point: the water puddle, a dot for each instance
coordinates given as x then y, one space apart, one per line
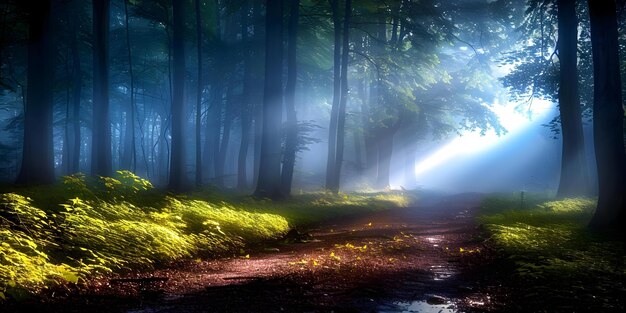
421 306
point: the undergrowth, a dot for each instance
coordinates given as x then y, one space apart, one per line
556 259
85 227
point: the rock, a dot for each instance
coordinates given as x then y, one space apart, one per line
294 236
435 300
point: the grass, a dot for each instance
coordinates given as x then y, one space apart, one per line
555 259
85 227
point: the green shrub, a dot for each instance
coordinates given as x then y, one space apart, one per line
551 248
91 226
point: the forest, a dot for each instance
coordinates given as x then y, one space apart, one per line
312 155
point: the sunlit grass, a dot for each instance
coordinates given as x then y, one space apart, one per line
550 248
86 227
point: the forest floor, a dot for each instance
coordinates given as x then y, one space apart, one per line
425 258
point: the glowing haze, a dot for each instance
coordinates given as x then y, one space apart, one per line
470 144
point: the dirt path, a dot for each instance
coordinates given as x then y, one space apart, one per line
418 259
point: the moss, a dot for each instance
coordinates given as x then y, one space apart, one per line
86 226
550 247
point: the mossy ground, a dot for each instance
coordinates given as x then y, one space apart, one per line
558 264
85 227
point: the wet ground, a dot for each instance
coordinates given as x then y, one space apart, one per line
427 258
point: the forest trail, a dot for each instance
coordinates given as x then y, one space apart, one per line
425 258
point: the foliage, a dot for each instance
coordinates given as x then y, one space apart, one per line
115 224
550 248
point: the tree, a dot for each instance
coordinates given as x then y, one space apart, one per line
331 163
608 117
343 99
37 157
177 162
574 176
291 141
101 159
268 183
200 88
129 159
77 86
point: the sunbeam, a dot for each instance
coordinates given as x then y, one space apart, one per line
472 142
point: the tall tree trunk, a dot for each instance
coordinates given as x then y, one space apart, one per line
608 117
128 160
177 162
341 116
222 148
291 128
200 88
101 160
385 150
245 118
37 156
77 86
65 158
268 184
574 176
257 106
334 111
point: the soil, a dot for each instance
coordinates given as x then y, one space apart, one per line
426 258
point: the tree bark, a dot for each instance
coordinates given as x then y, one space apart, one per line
246 119
222 148
341 116
385 150
37 157
177 162
200 87
608 117
77 86
101 159
334 112
257 106
129 160
290 100
268 184
574 176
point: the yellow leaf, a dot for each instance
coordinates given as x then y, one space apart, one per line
369 224
2 296
247 256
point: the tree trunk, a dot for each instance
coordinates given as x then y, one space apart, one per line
77 86
200 88
37 157
101 160
130 152
257 106
268 184
245 118
290 100
385 150
334 112
608 117
177 162
574 176
341 116
222 148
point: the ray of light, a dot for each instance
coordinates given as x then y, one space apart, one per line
471 142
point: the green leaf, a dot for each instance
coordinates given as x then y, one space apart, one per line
69 276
